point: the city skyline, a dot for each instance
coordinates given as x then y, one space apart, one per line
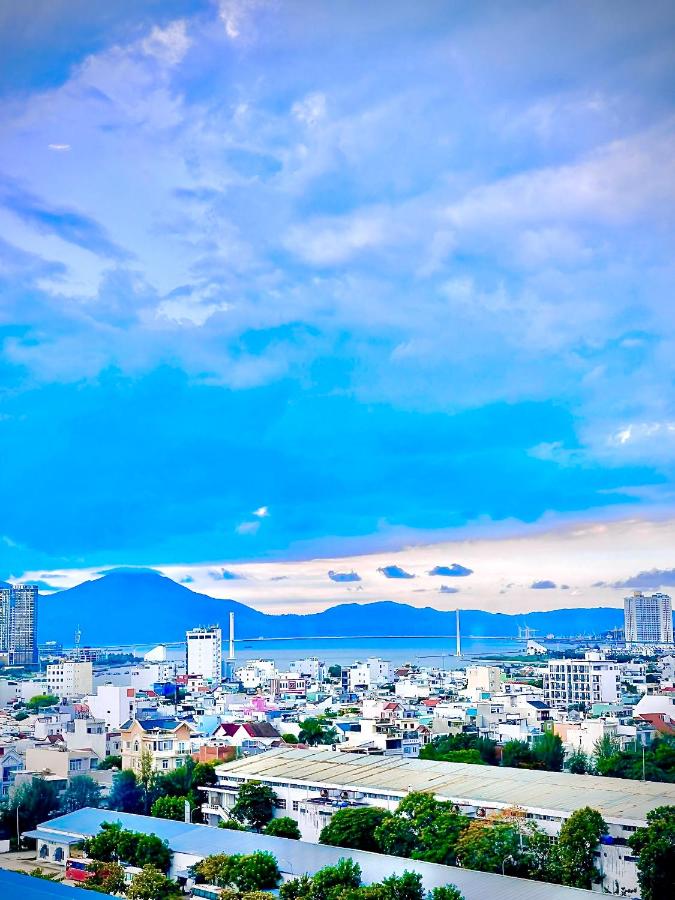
290 282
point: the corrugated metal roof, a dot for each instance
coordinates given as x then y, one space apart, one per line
297 857
616 798
13 885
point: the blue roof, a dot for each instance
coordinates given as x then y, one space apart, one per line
296 857
13 884
87 822
43 834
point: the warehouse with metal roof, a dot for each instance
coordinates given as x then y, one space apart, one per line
192 843
553 793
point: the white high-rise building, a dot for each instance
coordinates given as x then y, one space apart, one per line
648 618
205 652
585 681
70 679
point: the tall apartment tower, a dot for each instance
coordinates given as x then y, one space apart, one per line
648 618
18 624
205 652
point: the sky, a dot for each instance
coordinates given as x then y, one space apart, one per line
291 288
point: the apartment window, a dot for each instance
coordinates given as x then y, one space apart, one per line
165 763
279 803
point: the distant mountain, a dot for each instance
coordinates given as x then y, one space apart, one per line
144 607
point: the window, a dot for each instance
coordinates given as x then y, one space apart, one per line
296 805
279 803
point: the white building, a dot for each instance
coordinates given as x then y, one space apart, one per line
581 681
483 680
256 673
311 666
648 618
70 679
86 734
205 652
113 704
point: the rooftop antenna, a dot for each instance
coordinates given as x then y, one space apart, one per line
459 637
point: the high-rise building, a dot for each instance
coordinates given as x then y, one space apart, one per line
205 652
18 624
648 618
581 681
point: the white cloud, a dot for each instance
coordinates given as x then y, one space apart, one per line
59 148
248 528
262 512
170 44
505 563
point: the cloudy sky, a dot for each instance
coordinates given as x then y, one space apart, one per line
291 288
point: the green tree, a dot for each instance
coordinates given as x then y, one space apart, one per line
81 791
151 884
574 852
354 828
578 762
169 808
125 795
331 881
147 780
449 892
518 755
549 753
116 843
491 847
289 739
284 826
335 671
407 886
245 872
256 871
35 801
422 828
654 846
254 805
446 747
232 825
606 752
41 701
315 731
111 762
106 878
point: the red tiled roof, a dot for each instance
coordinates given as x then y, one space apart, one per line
661 722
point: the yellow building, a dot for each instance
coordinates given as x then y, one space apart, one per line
166 740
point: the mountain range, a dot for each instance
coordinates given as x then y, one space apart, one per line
146 607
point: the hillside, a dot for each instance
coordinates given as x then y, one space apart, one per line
146 607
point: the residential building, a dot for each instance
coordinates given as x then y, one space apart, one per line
18 624
205 652
85 733
312 784
113 703
11 761
311 667
581 681
251 737
483 680
648 618
60 761
70 679
288 685
166 740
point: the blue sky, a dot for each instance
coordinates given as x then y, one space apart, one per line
387 272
